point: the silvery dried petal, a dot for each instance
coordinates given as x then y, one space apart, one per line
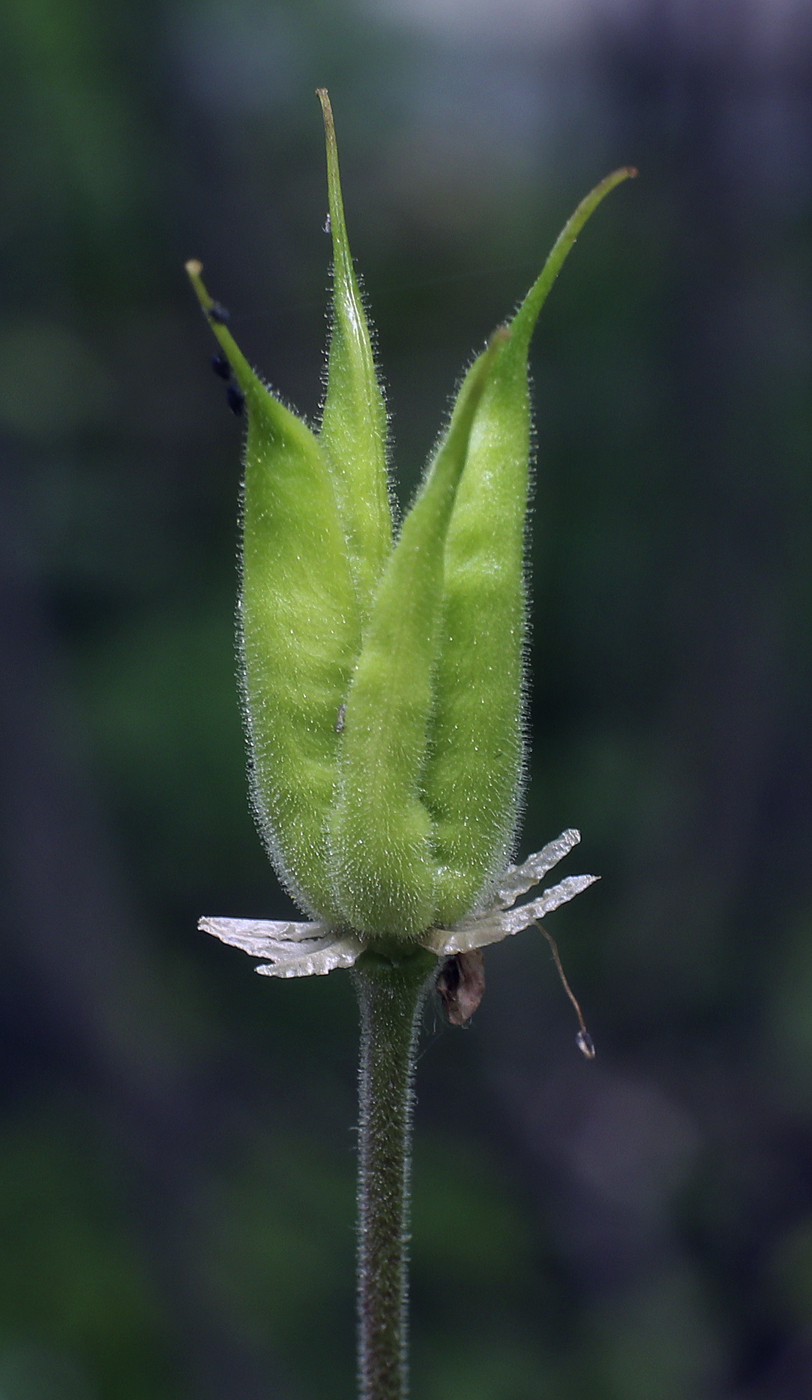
518 879
307 949
294 949
514 920
500 920
496 925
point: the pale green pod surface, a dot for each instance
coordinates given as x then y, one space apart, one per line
382 687
473 775
381 831
299 629
353 425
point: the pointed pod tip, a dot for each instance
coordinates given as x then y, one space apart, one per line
525 319
217 317
616 177
501 336
609 182
327 112
194 268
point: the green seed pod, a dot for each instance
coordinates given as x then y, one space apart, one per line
381 830
383 686
472 780
353 423
299 626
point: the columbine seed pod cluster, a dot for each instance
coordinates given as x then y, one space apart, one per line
382 676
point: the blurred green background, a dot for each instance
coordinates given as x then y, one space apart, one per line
176 1142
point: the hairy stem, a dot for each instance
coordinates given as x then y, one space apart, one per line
390 997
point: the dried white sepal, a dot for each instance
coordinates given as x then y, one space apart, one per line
293 949
500 920
341 952
518 879
514 920
495 925
308 949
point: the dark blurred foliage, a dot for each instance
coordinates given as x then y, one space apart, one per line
176 1149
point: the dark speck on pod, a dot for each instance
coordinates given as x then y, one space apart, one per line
221 367
236 399
341 718
218 313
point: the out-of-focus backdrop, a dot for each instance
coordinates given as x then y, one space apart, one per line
176 1144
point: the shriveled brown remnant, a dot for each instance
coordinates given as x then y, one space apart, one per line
461 985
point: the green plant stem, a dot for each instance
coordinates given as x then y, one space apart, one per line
390 997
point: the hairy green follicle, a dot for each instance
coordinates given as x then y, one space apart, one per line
300 628
472 782
381 829
383 682
353 422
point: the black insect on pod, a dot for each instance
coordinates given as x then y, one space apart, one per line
236 399
218 314
221 367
